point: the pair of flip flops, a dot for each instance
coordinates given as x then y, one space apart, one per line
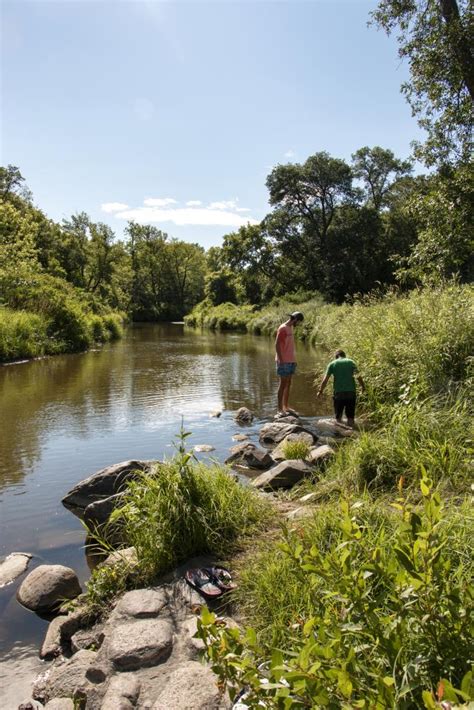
287 413
210 581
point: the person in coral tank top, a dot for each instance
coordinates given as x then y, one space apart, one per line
285 359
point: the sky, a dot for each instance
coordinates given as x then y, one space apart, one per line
174 113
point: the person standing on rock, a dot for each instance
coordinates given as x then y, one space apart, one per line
343 369
285 358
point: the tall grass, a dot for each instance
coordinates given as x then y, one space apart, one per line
22 334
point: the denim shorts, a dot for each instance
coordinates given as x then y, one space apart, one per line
285 369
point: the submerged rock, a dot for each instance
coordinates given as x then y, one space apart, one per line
244 416
13 566
203 448
47 586
284 475
105 483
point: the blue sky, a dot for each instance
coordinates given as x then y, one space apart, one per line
174 113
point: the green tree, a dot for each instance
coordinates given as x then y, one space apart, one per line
436 37
378 169
186 267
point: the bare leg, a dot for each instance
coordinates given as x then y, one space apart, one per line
283 393
286 394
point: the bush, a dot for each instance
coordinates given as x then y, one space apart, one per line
21 334
370 609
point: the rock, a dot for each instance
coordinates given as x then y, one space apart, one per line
244 416
203 448
190 628
98 512
328 426
250 455
103 484
12 566
284 475
191 685
320 454
65 679
278 453
216 413
74 621
141 603
52 642
122 693
87 639
47 586
145 642
126 556
240 437
60 704
274 432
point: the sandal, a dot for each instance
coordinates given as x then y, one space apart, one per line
201 579
222 578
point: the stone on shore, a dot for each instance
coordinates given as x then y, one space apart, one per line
66 679
51 646
284 475
191 685
274 432
98 512
320 455
127 556
244 416
13 566
46 587
105 483
251 456
141 603
278 454
122 692
60 704
145 642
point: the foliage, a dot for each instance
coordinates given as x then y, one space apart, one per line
225 316
296 449
435 37
436 433
22 334
386 618
374 166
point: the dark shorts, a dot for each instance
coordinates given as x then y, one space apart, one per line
285 369
344 401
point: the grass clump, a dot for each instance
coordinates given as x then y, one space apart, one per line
358 608
179 510
296 449
436 433
22 334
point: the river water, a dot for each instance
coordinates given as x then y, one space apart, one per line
65 417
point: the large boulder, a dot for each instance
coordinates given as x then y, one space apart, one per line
103 484
284 475
46 587
320 455
66 678
138 644
141 603
191 685
98 512
274 432
12 566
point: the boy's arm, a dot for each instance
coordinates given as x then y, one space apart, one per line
322 385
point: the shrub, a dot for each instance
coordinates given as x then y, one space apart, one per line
22 334
386 619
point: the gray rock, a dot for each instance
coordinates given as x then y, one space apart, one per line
126 556
87 639
216 413
274 432
46 587
191 685
75 620
65 679
103 484
60 704
51 646
321 454
284 475
237 451
250 455
145 642
122 692
203 448
141 603
98 512
244 416
12 566
240 437
190 628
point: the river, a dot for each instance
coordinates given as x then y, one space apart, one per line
65 417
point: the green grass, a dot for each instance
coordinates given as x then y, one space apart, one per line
295 450
22 334
179 510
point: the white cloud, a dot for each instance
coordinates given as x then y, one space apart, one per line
193 203
242 209
290 154
186 216
113 207
223 205
159 201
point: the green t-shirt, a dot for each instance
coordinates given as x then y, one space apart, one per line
342 369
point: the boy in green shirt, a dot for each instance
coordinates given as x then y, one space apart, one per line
343 370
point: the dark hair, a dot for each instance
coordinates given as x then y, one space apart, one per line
340 353
297 316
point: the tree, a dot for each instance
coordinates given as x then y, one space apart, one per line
11 183
378 169
436 37
186 264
